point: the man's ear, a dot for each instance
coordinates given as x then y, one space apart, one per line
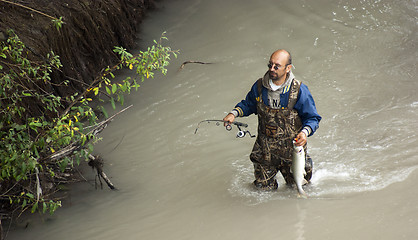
288 68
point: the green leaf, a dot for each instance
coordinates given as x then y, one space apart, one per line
26 94
32 164
45 207
96 91
91 148
36 124
34 207
64 164
30 195
114 88
81 110
112 101
104 112
122 99
108 90
77 159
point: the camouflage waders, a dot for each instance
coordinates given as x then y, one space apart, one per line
272 151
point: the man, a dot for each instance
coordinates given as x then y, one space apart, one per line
286 112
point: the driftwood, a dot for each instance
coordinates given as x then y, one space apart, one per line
186 62
97 163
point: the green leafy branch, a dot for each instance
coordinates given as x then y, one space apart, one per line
145 63
31 144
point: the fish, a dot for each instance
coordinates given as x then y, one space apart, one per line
298 168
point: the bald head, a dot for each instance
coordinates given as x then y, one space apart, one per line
279 66
281 54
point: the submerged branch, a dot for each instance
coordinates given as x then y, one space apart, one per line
186 62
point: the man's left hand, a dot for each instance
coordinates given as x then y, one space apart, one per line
301 139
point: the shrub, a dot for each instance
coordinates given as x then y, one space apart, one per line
54 139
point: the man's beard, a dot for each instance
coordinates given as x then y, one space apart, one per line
273 76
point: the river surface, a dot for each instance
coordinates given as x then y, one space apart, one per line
359 60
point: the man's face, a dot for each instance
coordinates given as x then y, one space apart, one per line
277 66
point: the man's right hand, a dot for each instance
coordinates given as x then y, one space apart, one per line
229 119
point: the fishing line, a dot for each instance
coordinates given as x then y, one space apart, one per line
241 133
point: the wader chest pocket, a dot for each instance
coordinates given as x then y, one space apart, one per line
273 131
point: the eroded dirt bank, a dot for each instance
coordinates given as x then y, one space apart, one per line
90 31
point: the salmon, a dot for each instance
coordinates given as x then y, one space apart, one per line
298 169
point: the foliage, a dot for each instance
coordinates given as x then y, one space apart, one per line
57 22
30 142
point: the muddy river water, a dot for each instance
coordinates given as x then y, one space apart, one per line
359 60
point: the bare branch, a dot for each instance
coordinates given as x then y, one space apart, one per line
31 9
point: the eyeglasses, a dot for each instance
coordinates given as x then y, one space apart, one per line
276 66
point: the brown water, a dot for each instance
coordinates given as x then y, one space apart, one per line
359 60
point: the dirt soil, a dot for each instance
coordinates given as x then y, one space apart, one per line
92 28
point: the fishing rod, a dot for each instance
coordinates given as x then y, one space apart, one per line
241 133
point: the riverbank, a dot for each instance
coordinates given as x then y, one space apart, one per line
84 43
86 40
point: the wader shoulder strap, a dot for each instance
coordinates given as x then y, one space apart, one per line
294 92
260 89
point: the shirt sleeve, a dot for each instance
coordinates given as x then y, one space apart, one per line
248 106
307 110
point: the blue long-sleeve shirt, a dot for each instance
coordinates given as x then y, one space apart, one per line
305 105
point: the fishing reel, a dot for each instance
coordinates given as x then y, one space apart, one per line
241 133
